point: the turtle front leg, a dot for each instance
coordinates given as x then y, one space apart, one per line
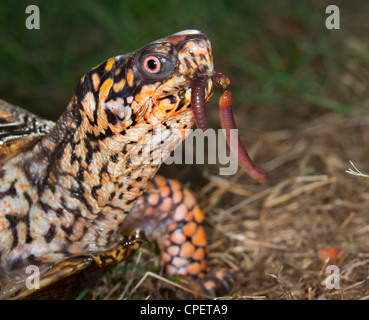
168 214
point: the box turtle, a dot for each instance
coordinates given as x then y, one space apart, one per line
80 195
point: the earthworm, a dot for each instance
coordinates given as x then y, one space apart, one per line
198 85
228 123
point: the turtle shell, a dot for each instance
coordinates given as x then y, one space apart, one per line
65 279
19 130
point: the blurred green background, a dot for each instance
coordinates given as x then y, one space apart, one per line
278 54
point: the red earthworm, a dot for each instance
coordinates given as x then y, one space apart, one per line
228 123
198 85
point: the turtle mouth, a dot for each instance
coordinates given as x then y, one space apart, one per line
198 105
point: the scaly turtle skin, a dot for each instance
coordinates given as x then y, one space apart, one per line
73 194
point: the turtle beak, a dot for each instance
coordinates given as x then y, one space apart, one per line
196 61
196 65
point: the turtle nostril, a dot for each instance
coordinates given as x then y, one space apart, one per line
202 44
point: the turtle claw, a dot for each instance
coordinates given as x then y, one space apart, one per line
217 283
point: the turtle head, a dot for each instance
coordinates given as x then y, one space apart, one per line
152 97
147 88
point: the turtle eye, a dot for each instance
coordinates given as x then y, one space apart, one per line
155 66
152 64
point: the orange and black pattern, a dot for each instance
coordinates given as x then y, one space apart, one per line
88 179
173 219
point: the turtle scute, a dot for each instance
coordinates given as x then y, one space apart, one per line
19 130
67 278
